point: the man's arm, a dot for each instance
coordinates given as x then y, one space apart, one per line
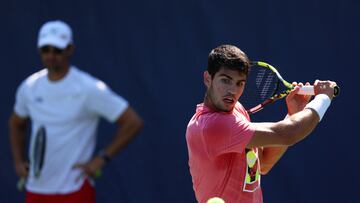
269 156
287 132
130 124
18 126
276 137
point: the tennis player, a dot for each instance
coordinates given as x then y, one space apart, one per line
227 152
66 103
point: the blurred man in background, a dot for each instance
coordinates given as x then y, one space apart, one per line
64 105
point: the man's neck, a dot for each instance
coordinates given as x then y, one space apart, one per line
208 103
57 74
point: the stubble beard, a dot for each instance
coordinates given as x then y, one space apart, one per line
211 100
54 68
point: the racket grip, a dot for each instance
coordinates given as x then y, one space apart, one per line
309 90
306 90
21 184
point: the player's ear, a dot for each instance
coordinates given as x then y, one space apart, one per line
70 49
207 79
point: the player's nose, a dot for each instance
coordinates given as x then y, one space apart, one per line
232 89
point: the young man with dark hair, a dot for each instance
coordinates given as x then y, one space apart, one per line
227 152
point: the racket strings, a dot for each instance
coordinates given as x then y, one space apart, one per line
267 86
259 77
39 151
261 85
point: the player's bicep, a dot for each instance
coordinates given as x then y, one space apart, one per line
16 121
129 117
271 134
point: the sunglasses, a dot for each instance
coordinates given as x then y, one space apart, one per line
48 49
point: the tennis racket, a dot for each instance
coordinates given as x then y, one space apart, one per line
39 152
37 156
265 85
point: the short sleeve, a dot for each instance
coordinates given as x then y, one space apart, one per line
227 134
104 102
20 107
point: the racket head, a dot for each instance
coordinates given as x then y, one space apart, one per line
39 151
264 85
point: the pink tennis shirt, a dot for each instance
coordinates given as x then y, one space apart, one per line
220 164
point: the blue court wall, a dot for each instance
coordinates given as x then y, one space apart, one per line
154 53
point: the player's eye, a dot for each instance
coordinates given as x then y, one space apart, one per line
241 84
226 81
48 49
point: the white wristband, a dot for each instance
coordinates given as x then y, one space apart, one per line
320 104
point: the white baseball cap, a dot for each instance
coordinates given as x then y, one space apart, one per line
55 33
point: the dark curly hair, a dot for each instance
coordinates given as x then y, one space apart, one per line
228 56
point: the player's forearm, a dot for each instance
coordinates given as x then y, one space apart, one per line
270 156
17 141
297 126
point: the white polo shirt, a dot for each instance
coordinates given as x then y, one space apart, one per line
69 110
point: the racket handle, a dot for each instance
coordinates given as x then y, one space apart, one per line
309 90
21 184
306 90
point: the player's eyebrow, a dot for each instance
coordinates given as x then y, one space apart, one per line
227 76
231 78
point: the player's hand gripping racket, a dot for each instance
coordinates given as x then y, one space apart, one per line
37 156
265 85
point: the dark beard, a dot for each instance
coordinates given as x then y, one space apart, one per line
209 98
55 69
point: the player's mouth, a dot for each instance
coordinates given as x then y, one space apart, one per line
229 100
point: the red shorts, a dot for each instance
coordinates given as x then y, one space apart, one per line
86 194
